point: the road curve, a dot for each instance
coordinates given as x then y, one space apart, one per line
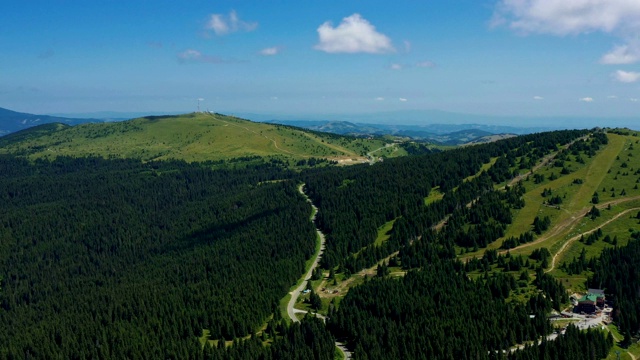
296 292
291 311
570 223
570 241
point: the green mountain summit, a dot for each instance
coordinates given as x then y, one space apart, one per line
190 137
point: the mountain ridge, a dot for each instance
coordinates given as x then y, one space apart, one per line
189 137
12 121
444 134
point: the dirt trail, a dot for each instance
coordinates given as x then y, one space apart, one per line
275 144
570 241
545 160
515 180
341 149
344 286
570 223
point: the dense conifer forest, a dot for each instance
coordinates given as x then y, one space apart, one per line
618 271
434 313
119 259
124 259
573 345
307 340
354 201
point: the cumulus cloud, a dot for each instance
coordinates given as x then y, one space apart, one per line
354 35
612 97
402 100
270 51
620 18
396 67
633 99
586 99
562 17
379 98
225 24
195 56
622 54
626 76
538 98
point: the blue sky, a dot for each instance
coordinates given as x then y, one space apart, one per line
493 57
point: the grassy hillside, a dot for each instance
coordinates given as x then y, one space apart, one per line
611 174
190 137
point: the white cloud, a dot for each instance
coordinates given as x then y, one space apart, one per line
564 17
633 99
586 99
379 98
626 76
620 18
538 98
612 97
622 54
270 51
427 64
222 25
354 35
402 100
274 98
396 67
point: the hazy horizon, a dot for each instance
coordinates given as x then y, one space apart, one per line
534 58
402 117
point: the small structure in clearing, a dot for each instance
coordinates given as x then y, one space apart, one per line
591 302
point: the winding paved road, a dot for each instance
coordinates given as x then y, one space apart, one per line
291 311
372 159
296 292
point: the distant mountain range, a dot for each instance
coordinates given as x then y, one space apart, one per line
444 134
12 121
425 118
427 125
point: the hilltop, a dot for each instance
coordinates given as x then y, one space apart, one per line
191 137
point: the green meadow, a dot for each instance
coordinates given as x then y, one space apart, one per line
191 137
